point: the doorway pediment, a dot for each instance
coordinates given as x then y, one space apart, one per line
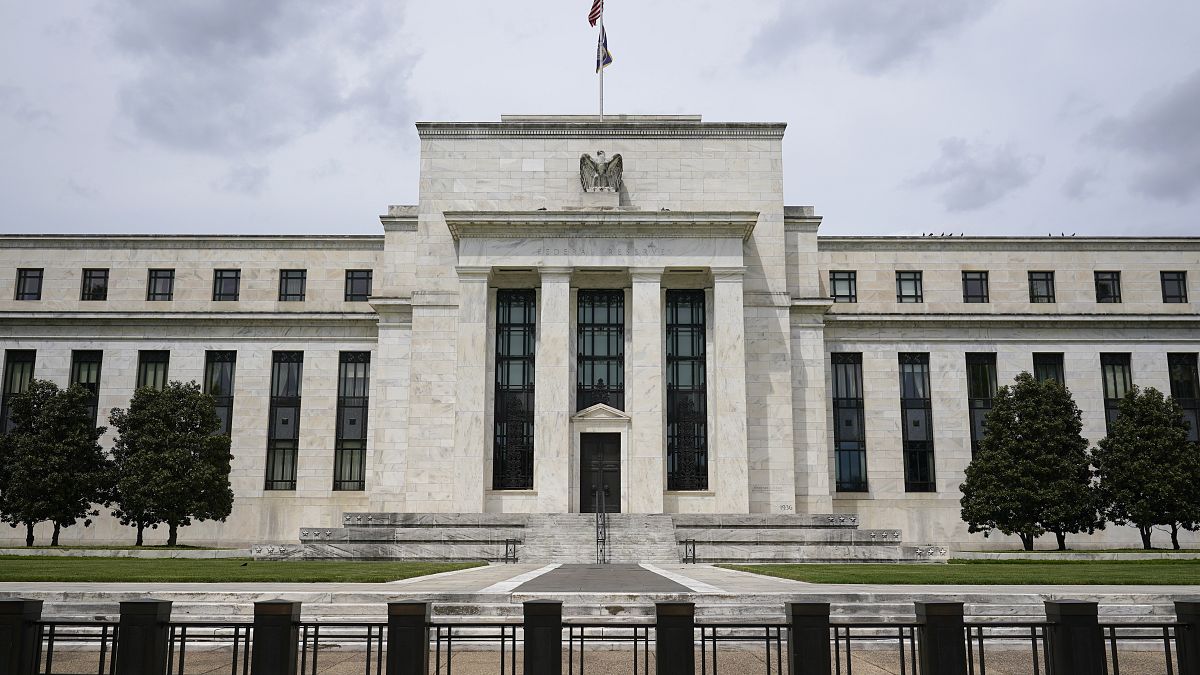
600 413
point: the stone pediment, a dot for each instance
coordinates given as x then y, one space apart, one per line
601 224
600 412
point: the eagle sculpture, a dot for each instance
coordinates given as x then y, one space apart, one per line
598 175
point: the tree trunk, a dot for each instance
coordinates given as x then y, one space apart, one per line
1062 540
29 534
1026 540
54 540
1175 536
140 526
174 535
1145 537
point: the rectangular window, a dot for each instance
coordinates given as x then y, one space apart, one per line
687 392
512 436
1108 286
1185 389
291 285
29 284
358 285
152 368
1049 366
916 416
849 422
975 286
843 286
226 285
1118 378
160 285
350 451
1174 286
908 287
94 286
981 388
283 432
18 373
85 370
600 347
219 368
1041 287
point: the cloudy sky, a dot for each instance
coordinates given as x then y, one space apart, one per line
904 116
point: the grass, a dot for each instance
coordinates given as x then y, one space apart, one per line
139 570
1097 550
120 547
1067 572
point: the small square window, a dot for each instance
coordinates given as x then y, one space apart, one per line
843 286
291 285
908 287
95 285
1041 287
226 285
1108 286
975 286
29 284
1174 286
161 285
358 285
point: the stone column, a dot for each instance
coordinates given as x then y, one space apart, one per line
645 393
728 451
552 393
470 434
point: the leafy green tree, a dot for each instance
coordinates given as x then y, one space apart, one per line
1031 474
1149 472
55 469
172 464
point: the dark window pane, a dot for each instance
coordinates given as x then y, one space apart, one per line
95 285
849 434
18 373
981 388
1048 366
85 370
975 286
283 424
512 433
292 285
152 368
1041 287
687 391
909 287
1174 286
160 285
1185 389
218 382
1108 286
1118 378
916 418
358 285
226 285
600 349
29 284
843 286
349 458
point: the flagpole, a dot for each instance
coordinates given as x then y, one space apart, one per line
600 56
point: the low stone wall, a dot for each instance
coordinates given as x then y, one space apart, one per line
192 554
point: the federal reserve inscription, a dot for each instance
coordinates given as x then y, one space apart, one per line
585 247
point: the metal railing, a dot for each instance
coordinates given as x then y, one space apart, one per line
1071 641
601 527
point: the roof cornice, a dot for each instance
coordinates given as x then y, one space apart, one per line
343 242
1055 243
596 129
601 224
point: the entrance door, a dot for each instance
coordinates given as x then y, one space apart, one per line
599 472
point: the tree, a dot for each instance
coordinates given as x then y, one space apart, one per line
1148 471
55 469
172 464
1031 474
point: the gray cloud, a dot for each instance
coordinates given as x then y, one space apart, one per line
875 35
14 103
1078 185
1162 132
243 179
973 175
236 77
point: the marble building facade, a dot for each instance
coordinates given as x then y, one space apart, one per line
505 246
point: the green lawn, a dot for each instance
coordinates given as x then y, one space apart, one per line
992 572
120 547
48 568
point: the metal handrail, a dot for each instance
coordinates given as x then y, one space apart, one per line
601 528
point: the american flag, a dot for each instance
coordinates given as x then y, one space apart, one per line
597 10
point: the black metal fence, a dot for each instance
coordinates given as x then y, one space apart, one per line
145 641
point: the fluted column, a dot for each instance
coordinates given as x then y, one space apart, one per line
552 393
471 442
729 455
645 393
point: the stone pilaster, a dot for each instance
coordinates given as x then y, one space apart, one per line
728 464
552 393
390 380
810 410
645 393
470 433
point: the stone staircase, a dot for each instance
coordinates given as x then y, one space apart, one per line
571 538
